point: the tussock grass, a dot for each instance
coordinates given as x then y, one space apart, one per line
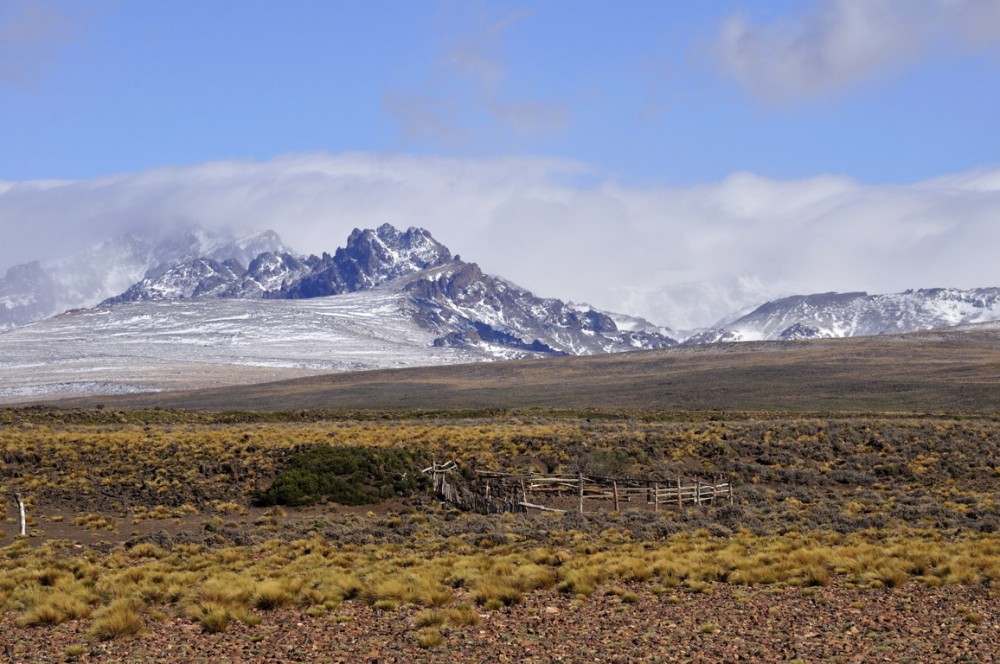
74 651
119 619
214 619
462 614
274 594
54 609
430 618
214 588
429 637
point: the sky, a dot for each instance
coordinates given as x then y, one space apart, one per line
672 159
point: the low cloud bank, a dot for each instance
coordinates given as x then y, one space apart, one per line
683 257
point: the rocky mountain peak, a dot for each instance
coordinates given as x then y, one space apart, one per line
370 259
386 253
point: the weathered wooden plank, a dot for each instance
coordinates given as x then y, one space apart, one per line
540 507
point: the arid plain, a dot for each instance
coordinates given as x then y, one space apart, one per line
863 526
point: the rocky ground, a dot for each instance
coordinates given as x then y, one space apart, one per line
726 624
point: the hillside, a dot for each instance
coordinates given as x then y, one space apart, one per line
953 370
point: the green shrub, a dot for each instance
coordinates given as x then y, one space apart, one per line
346 475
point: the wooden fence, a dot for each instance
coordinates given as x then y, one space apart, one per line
492 493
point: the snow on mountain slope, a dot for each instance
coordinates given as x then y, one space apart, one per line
199 277
625 322
204 322
32 291
829 315
454 299
212 314
269 272
183 344
370 259
469 308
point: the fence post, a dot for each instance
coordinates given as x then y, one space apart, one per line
656 497
579 478
680 499
614 488
22 521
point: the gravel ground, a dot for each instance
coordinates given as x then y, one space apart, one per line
728 624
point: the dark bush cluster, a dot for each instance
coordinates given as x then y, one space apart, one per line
346 475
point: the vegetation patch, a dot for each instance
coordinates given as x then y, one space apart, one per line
346 475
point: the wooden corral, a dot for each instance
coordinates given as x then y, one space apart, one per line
492 492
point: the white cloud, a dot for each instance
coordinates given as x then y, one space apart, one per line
679 256
839 43
464 100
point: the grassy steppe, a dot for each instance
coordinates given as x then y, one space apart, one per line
140 517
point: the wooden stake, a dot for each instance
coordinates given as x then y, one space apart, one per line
680 500
614 488
656 497
579 478
23 519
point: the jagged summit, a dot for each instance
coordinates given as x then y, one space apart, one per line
370 259
454 300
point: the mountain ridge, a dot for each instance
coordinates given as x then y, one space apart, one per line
455 299
36 290
833 315
386 299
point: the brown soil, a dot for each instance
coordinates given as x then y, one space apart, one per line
57 522
834 624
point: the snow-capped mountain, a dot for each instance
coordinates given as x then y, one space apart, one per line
386 299
455 300
196 309
34 290
268 273
370 259
828 315
471 308
197 277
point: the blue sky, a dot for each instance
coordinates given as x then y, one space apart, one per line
664 109
637 88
